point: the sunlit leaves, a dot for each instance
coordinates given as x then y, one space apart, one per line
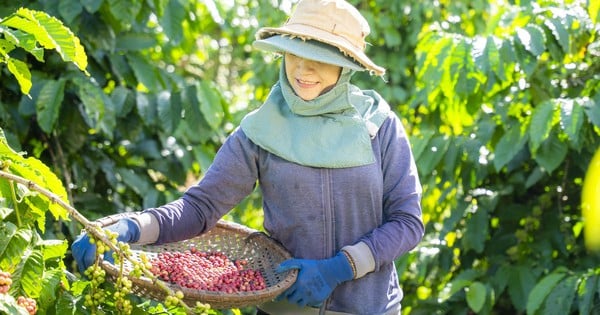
532 38
571 118
559 31
13 243
19 69
34 31
50 33
28 271
32 169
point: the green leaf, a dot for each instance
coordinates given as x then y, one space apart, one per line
65 305
34 170
527 61
169 111
509 145
28 272
594 11
134 181
488 60
476 296
125 11
433 154
146 108
171 21
560 33
532 38
463 280
6 46
135 41
210 104
551 153
21 72
586 293
122 101
13 243
520 282
38 172
50 282
92 5
48 104
541 290
559 301
69 10
145 72
571 118
204 155
29 43
4 211
54 248
592 110
476 231
99 112
541 124
51 34
32 207
191 105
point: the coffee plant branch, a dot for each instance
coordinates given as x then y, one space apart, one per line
94 230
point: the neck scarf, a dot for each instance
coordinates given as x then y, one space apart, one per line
334 130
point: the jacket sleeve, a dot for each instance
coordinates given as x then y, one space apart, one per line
230 178
402 229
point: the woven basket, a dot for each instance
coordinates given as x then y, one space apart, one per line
234 240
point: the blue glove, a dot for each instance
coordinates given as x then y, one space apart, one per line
316 279
85 253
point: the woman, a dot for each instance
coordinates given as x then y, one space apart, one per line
339 182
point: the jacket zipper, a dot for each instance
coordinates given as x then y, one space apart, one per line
329 224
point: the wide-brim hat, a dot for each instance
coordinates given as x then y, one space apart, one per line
333 22
307 49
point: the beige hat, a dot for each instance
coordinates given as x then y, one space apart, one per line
333 22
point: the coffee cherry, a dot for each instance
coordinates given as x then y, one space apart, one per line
5 281
29 304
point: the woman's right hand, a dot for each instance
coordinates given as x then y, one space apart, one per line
84 252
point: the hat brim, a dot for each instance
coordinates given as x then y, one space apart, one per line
307 49
308 32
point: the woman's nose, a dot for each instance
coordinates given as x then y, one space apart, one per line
306 64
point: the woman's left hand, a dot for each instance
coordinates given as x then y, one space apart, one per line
316 279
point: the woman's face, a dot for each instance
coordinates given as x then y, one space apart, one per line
309 78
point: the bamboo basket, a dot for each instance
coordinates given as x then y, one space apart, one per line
236 241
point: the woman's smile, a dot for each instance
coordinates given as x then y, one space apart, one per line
310 78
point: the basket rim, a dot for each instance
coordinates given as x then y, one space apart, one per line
217 299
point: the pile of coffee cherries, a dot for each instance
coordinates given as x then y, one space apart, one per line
209 271
29 304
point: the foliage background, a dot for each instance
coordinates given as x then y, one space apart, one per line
501 99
